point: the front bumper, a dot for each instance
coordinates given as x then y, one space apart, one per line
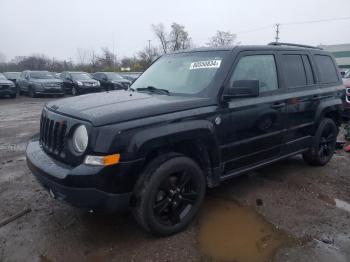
8 91
90 89
83 186
50 91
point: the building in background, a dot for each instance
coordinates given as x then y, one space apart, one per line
341 54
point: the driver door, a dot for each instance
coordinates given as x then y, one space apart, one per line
256 129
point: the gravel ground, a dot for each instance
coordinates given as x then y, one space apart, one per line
286 212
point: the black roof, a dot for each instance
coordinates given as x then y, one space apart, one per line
271 46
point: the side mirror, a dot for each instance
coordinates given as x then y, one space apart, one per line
243 88
27 77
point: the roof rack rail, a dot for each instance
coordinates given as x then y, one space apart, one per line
296 45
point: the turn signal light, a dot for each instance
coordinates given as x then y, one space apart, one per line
102 160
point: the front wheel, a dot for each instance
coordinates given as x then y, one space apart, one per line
32 92
169 194
322 149
75 91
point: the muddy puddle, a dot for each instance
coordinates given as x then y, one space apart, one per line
229 232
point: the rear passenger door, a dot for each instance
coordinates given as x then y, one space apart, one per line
302 96
256 125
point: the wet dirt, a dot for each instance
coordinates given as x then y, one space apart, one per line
230 232
289 200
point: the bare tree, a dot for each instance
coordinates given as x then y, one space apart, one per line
162 36
146 56
82 56
222 38
107 59
179 38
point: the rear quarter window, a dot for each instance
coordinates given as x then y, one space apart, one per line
294 71
326 68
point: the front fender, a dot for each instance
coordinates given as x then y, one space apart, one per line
150 139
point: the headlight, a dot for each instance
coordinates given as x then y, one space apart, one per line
80 139
79 83
97 83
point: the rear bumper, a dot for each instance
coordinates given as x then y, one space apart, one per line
81 186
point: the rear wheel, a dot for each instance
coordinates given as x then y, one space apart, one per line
323 147
169 194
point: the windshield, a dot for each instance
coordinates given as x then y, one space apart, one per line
12 75
2 77
80 76
41 75
184 73
113 76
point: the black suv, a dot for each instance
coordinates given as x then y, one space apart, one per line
7 87
39 83
111 81
192 120
77 83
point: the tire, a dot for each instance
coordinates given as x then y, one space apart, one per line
13 95
75 91
322 149
31 92
169 194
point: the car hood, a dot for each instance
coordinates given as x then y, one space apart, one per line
118 106
46 81
5 82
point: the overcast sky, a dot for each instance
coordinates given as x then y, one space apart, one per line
58 28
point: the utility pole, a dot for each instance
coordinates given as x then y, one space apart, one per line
149 44
277 32
114 56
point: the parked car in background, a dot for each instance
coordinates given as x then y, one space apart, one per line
112 81
344 71
77 83
132 76
36 83
346 101
56 75
12 76
7 87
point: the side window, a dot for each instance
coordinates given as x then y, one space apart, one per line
308 69
257 67
328 72
294 72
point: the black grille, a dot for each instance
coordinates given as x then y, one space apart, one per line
52 134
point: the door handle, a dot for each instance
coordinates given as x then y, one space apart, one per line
278 105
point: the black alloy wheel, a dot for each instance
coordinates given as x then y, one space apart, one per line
323 146
168 194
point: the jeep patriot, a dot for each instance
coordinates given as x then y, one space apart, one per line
193 119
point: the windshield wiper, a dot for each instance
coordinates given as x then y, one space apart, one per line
153 89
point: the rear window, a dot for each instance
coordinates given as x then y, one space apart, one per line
294 71
327 71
